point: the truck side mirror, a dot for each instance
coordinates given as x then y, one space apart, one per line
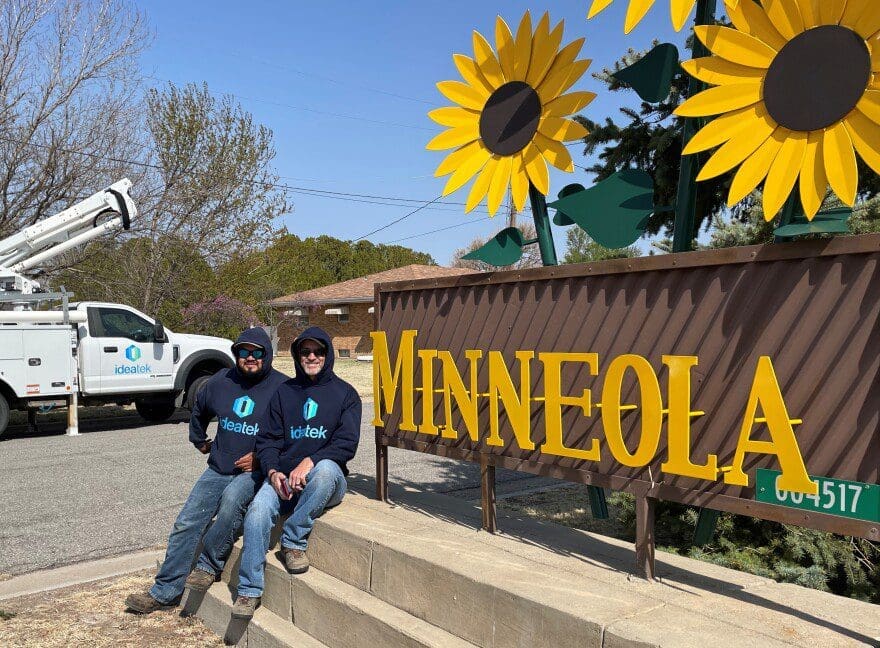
159 332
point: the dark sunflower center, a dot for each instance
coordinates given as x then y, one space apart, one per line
510 118
817 78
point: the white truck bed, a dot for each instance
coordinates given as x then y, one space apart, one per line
37 360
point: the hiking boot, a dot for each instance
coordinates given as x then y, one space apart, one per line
296 560
144 603
245 606
199 580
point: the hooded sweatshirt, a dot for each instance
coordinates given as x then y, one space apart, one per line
239 403
320 419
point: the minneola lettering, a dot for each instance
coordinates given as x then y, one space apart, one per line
388 380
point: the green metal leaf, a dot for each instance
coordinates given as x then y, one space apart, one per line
651 76
613 212
830 221
560 218
505 248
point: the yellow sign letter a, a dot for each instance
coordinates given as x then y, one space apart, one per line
385 383
766 392
518 408
467 399
678 459
554 400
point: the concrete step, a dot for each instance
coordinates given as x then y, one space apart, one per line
265 630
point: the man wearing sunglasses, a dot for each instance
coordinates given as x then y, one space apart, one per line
239 399
313 431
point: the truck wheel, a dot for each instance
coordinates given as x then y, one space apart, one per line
192 393
155 411
4 414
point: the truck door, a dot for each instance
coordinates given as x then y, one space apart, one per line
130 358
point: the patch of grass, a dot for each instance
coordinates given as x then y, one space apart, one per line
359 374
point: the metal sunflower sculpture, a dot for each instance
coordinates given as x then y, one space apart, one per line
679 10
511 116
798 94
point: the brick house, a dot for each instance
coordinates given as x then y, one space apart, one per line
344 310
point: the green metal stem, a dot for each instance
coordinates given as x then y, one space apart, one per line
686 203
542 226
790 211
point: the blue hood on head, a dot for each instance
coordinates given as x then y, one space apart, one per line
313 333
258 336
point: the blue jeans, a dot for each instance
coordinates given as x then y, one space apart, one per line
227 497
325 487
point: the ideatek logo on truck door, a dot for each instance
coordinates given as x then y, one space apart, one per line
132 354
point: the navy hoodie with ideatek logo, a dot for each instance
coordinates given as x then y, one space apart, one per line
319 419
239 403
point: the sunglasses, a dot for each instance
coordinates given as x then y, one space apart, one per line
319 353
256 354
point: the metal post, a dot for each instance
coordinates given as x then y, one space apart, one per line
73 415
686 202
645 536
542 226
790 211
381 470
487 496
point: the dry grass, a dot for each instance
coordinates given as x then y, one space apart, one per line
94 615
568 506
359 374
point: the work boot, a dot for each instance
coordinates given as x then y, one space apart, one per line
296 560
144 603
200 580
245 606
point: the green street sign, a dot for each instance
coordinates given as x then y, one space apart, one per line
836 496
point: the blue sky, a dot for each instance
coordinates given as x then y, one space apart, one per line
346 88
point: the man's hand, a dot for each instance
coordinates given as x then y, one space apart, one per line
275 479
205 448
246 463
298 475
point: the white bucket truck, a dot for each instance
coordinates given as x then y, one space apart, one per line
90 352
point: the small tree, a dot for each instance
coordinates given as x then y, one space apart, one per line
221 316
580 248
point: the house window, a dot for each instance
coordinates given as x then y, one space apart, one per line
344 353
343 319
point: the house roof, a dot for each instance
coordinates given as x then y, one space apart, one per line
361 288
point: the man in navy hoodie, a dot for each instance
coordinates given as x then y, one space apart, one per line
313 430
239 399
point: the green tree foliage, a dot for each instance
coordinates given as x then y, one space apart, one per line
221 316
580 248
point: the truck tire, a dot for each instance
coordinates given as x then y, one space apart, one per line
4 414
155 411
194 388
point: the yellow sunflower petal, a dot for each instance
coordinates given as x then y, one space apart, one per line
470 72
869 105
724 128
784 172
558 72
854 11
718 71
868 23
735 46
481 185
810 12
455 159
840 163
680 10
569 104
750 18
467 170
865 136
721 99
544 53
506 48
814 181
554 152
454 137
500 181
597 6
830 11
558 81
875 57
560 129
463 94
519 183
523 47
737 149
635 13
785 16
536 168
454 116
753 170
489 66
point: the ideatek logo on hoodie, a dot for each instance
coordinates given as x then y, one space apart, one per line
242 407
310 411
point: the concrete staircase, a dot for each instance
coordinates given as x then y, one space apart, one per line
422 574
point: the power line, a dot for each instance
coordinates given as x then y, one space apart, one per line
394 222
441 229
